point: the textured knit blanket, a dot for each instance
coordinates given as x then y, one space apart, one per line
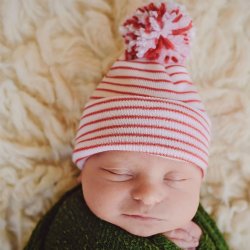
71 225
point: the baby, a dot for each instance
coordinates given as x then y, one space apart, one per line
142 143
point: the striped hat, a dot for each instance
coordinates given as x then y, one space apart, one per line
147 101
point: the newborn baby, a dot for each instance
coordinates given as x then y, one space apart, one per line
142 147
143 138
144 194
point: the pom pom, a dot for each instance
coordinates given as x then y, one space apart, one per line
158 32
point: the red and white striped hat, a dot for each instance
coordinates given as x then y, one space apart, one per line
147 101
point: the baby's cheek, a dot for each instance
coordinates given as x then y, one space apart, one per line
184 204
103 200
191 203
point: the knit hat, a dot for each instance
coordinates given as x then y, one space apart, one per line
147 101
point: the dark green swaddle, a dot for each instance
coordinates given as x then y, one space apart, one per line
71 225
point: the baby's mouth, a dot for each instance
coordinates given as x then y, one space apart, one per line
142 217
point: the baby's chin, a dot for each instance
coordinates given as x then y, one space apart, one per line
145 230
142 232
135 228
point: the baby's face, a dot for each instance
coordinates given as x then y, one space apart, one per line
141 193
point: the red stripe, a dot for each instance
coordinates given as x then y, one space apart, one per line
137 69
142 117
147 100
178 73
151 62
192 100
149 88
137 94
144 136
128 126
125 107
183 81
174 65
138 78
139 143
122 92
141 62
96 97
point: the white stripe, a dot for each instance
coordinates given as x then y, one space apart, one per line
151 149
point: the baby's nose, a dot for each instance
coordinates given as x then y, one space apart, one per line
148 193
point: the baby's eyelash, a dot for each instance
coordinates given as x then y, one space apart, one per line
178 180
117 173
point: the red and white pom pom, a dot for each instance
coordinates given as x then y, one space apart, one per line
161 32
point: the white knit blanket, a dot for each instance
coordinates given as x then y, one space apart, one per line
52 55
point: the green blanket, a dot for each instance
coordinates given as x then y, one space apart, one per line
71 225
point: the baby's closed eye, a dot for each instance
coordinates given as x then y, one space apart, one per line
176 177
118 174
176 181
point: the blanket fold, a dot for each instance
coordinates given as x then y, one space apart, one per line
70 225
